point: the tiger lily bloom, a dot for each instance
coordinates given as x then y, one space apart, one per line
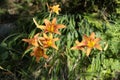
91 42
33 41
55 9
79 45
51 27
48 41
39 52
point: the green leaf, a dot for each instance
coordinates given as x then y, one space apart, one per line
4 55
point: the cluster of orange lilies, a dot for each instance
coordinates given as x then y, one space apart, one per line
40 44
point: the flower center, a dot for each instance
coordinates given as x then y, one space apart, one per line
51 28
55 9
49 42
91 44
39 52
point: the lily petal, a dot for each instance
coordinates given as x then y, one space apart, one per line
97 40
77 42
85 37
44 35
57 32
74 48
51 36
57 5
55 39
59 26
37 59
47 22
54 21
38 26
92 36
54 46
98 47
31 41
88 51
45 56
36 35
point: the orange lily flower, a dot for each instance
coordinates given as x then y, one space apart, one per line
79 46
48 41
91 42
39 52
33 41
50 26
55 9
